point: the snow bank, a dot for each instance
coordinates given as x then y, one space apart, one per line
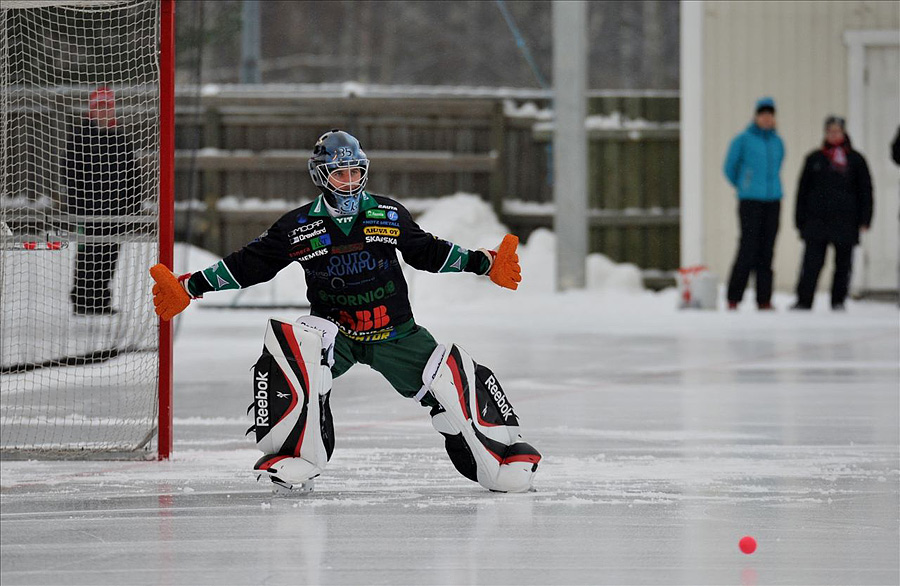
614 121
526 110
254 204
469 221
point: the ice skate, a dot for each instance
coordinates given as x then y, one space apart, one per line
283 487
288 475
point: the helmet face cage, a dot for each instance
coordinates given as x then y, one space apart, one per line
337 150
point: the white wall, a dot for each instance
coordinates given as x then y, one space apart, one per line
793 51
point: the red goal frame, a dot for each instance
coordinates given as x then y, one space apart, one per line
166 212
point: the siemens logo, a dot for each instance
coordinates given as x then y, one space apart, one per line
313 254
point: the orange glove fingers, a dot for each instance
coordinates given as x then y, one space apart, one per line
169 296
506 271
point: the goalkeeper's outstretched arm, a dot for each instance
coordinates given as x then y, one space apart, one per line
426 252
257 262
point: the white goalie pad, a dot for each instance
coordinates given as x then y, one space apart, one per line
476 406
329 331
291 382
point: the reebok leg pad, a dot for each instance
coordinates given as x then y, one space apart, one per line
291 411
476 407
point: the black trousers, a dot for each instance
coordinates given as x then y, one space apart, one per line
95 265
759 226
813 260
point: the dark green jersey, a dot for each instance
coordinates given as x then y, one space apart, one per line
353 275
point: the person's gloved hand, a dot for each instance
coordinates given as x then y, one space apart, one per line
169 293
505 270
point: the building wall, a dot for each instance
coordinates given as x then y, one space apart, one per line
795 52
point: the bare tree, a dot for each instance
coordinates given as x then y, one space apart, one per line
632 44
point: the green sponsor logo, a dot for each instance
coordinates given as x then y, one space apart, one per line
361 299
320 241
377 214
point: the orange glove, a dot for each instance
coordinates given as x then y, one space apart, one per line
505 270
169 296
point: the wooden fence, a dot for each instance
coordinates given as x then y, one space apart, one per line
253 142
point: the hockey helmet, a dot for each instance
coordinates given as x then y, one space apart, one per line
338 150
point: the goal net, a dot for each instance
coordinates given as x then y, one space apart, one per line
79 226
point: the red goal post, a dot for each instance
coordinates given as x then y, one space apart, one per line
86 207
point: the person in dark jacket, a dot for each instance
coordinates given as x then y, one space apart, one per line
895 147
895 155
834 203
753 167
102 181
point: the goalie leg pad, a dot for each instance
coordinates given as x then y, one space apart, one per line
476 408
291 410
455 444
292 474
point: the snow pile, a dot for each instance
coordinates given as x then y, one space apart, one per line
616 121
538 260
348 89
526 110
613 121
467 220
26 201
255 204
604 274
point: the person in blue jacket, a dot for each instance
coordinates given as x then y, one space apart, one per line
753 166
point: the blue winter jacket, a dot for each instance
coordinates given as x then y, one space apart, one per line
753 164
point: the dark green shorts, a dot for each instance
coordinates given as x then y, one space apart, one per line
400 361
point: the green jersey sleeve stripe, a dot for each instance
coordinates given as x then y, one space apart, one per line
456 260
220 278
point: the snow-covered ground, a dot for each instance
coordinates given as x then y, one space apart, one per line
667 435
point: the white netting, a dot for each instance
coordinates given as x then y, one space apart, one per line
79 139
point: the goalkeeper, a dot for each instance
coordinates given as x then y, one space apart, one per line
346 241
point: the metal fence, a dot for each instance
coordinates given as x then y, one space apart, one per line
250 143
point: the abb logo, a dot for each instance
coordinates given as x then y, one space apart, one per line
366 320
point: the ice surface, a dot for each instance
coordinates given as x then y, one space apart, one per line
667 435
